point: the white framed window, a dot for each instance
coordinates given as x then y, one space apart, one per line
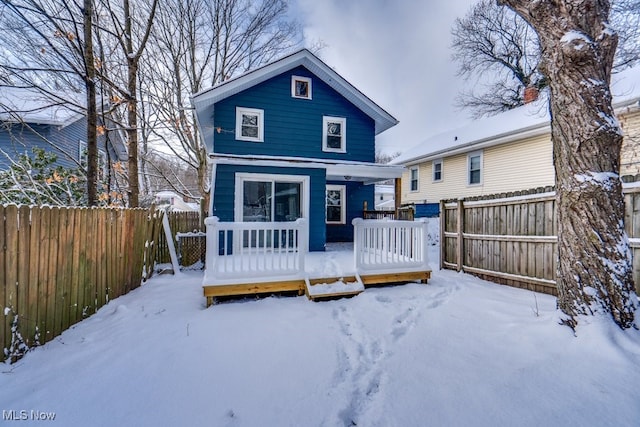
413 179
334 131
102 159
301 87
336 204
249 124
474 168
436 166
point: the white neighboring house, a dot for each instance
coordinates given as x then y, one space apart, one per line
385 197
174 202
508 152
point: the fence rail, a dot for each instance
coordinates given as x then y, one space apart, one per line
59 265
247 252
513 240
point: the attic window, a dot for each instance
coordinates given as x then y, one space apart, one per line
249 124
301 87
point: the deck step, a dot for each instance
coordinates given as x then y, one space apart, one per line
333 288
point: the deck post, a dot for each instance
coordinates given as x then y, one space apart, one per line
213 245
425 241
357 241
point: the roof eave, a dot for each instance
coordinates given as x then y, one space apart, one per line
203 101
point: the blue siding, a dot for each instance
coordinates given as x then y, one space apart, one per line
16 139
427 210
293 127
357 194
224 196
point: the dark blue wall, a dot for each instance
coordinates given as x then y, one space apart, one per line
17 138
293 127
224 196
356 195
427 210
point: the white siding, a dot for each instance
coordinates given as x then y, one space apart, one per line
507 167
630 153
513 166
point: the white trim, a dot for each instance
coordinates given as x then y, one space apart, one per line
469 156
343 134
241 177
433 170
240 111
102 158
335 169
411 169
343 203
294 79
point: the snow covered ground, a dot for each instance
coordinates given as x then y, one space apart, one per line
458 351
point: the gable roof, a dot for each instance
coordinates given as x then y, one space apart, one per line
523 122
203 101
18 104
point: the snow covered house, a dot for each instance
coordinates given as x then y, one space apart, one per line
292 145
507 152
28 120
293 139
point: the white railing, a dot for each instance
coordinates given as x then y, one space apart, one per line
384 245
247 252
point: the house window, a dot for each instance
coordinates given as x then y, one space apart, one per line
336 206
102 160
333 134
249 124
437 170
414 179
301 87
474 166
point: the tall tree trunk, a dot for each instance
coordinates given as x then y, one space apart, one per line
92 114
594 269
132 136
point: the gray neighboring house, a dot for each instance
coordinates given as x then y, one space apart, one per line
29 120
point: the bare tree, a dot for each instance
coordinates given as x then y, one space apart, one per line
498 48
130 29
200 43
494 41
54 41
578 47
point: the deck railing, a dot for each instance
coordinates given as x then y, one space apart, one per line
386 246
250 251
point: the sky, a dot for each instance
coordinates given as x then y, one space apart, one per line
398 53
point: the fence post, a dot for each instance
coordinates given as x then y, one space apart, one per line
303 242
443 239
460 230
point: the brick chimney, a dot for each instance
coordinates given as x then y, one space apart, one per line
530 94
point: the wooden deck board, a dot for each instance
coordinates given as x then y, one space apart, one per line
239 289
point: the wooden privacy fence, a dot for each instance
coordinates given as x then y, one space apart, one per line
59 265
191 251
513 240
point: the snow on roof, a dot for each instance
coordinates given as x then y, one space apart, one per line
203 101
28 105
529 120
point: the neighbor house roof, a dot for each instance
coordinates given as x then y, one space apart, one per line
204 101
527 121
18 104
